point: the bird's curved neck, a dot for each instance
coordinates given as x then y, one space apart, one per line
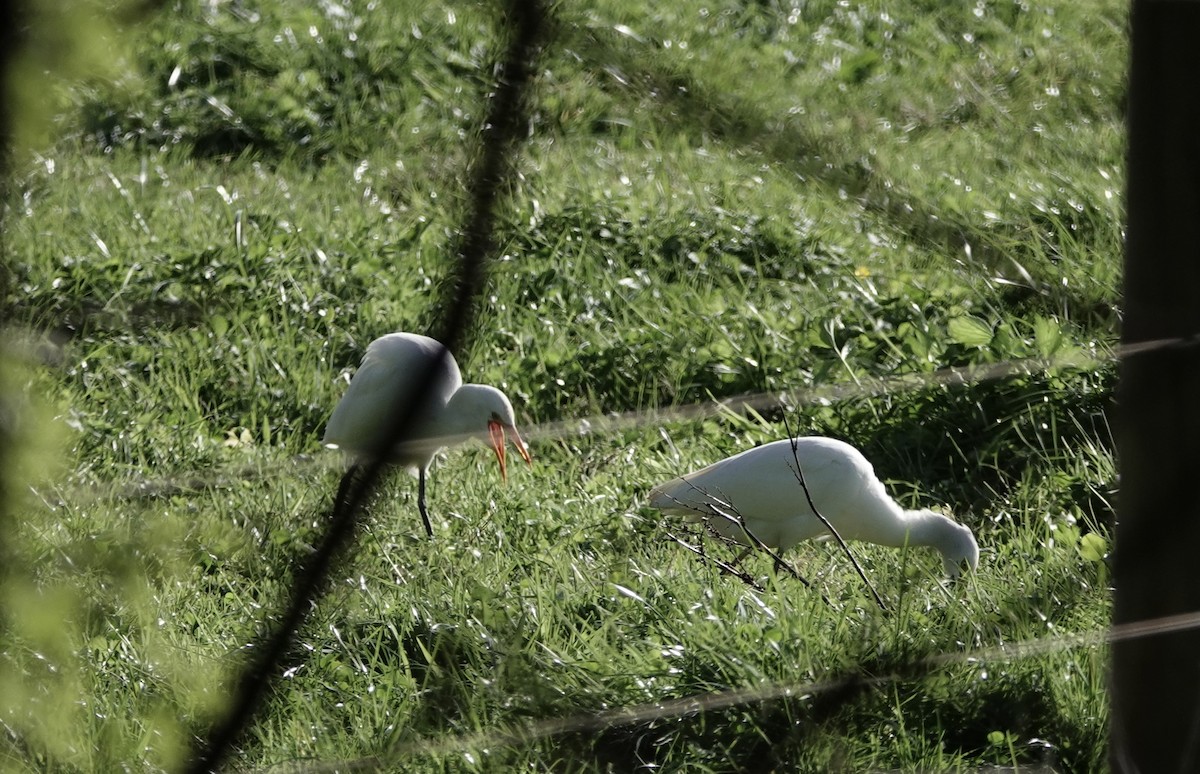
926 528
458 417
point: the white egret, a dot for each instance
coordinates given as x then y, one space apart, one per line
452 412
760 487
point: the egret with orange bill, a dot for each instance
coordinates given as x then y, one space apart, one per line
451 412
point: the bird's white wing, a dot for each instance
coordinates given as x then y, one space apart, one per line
761 486
388 374
834 480
410 354
763 478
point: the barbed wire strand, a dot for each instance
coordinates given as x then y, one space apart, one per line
760 402
674 709
500 137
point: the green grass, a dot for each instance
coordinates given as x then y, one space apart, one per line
837 203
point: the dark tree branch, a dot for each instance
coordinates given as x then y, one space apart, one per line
501 134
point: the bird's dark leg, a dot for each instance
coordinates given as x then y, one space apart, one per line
421 501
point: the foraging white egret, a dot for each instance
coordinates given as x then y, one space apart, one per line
761 487
452 412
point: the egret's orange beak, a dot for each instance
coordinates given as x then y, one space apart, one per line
496 439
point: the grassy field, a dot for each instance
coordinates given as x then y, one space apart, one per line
833 201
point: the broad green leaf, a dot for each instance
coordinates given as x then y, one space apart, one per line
1047 336
970 331
1093 547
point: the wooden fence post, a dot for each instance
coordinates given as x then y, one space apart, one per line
1155 678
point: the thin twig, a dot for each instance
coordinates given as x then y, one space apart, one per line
725 567
808 496
734 516
755 542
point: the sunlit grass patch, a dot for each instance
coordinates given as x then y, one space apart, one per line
904 221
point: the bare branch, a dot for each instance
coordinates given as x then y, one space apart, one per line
725 567
500 136
730 513
808 496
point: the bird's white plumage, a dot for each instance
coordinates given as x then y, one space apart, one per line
761 487
385 379
392 372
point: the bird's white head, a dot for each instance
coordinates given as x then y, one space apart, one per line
484 412
956 543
